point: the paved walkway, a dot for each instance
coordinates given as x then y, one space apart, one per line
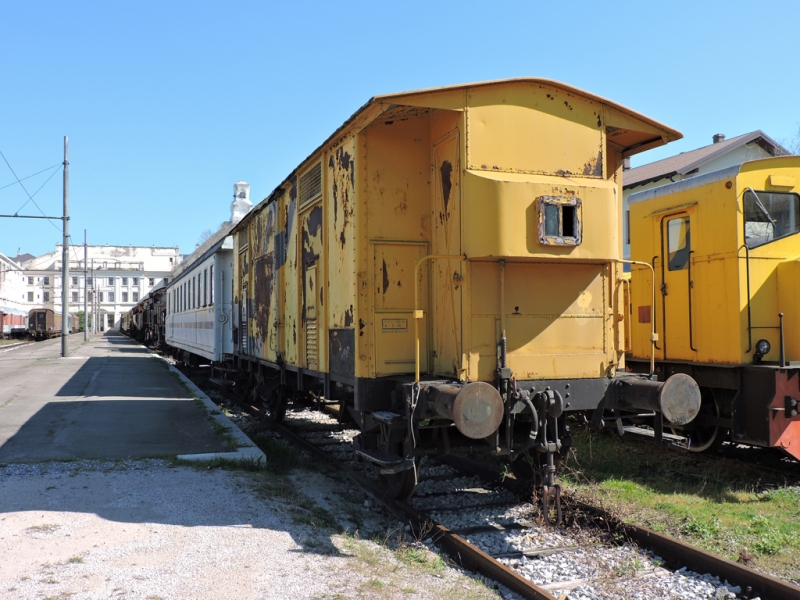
109 399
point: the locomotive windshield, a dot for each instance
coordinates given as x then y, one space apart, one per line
769 216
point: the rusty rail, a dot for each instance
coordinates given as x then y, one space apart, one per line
459 549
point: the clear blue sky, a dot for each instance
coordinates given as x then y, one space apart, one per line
168 104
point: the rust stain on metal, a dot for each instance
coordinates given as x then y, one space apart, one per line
594 167
385 277
348 316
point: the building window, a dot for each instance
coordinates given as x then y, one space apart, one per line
30 296
30 280
166 280
124 296
136 296
74 281
111 296
124 281
88 281
110 281
134 281
46 280
100 296
74 296
151 281
211 287
46 296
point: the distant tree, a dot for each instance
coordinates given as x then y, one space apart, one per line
792 144
205 236
80 316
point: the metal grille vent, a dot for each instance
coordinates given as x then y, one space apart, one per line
311 184
243 239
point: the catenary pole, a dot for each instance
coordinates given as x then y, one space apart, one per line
65 259
85 292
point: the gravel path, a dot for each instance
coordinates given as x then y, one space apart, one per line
148 529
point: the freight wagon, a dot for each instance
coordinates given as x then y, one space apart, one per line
44 323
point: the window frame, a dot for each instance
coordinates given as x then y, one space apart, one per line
548 239
745 221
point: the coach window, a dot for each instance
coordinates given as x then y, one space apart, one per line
769 216
205 287
679 243
559 220
211 287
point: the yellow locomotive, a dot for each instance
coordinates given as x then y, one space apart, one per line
446 267
725 254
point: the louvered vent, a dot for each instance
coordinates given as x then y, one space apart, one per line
311 184
242 239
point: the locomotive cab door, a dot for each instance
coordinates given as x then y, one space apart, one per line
676 286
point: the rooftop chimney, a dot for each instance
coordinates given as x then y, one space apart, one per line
241 204
718 137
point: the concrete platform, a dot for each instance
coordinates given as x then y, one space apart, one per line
110 398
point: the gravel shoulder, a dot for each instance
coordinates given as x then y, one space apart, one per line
153 529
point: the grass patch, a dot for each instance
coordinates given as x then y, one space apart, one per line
729 508
75 560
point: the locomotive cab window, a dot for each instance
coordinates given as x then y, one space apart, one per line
560 221
678 243
769 216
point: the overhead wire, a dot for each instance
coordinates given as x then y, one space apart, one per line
30 198
29 176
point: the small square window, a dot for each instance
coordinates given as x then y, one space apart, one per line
88 281
560 221
110 281
30 280
134 281
135 296
151 281
124 281
46 296
46 280
124 296
74 281
30 296
74 296
111 296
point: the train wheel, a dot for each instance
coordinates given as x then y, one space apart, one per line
400 486
275 405
705 438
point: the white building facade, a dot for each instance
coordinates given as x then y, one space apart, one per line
116 278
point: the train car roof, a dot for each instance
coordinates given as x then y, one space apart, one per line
629 140
708 178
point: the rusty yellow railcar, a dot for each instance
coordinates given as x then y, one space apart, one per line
725 251
447 267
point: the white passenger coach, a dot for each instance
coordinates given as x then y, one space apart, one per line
198 319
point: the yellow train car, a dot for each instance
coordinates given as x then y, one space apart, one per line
725 254
446 266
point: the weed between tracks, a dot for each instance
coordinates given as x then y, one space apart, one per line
731 509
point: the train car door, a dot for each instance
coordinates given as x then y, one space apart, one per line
445 321
676 269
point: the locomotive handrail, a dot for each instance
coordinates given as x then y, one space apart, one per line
417 312
653 336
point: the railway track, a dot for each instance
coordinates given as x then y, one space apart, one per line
482 521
